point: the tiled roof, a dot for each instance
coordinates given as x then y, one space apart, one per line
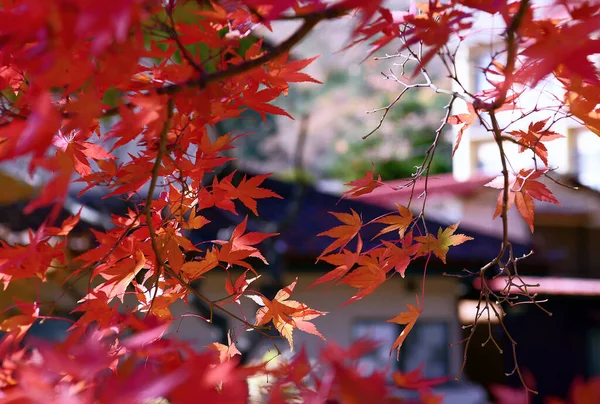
442 184
311 218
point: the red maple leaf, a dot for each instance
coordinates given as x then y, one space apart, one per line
236 289
523 189
414 380
248 190
242 245
533 139
367 277
363 186
18 325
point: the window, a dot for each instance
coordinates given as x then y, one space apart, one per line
483 81
385 334
593 343
426 344
486 157
588 158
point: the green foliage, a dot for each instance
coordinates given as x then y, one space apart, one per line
416 134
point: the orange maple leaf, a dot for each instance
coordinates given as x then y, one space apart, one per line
195 269
465 120
226 352
195 221
582 99
286 314
407 318
345 233
367 277
441 244
344 262
119 276
427 397
399 257
398 222
66 227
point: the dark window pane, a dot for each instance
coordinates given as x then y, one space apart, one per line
427 344
380 331
593 341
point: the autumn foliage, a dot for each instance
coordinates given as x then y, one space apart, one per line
158 74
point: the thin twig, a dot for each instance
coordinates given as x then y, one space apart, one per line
162 150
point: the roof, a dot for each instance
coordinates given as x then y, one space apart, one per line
441 184
311 217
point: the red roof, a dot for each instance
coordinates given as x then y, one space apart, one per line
441 184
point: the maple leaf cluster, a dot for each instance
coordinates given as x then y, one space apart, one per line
162 72
367 270
342 380
82 82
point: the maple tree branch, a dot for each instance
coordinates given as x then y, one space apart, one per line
328 14
484 298
214 304
385 110
220 75
511 55
511 274
162 150
175 36
427 84
505 191
430 154
159 264
310 21
562 184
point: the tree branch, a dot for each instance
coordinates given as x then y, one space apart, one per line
162 150
204 79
